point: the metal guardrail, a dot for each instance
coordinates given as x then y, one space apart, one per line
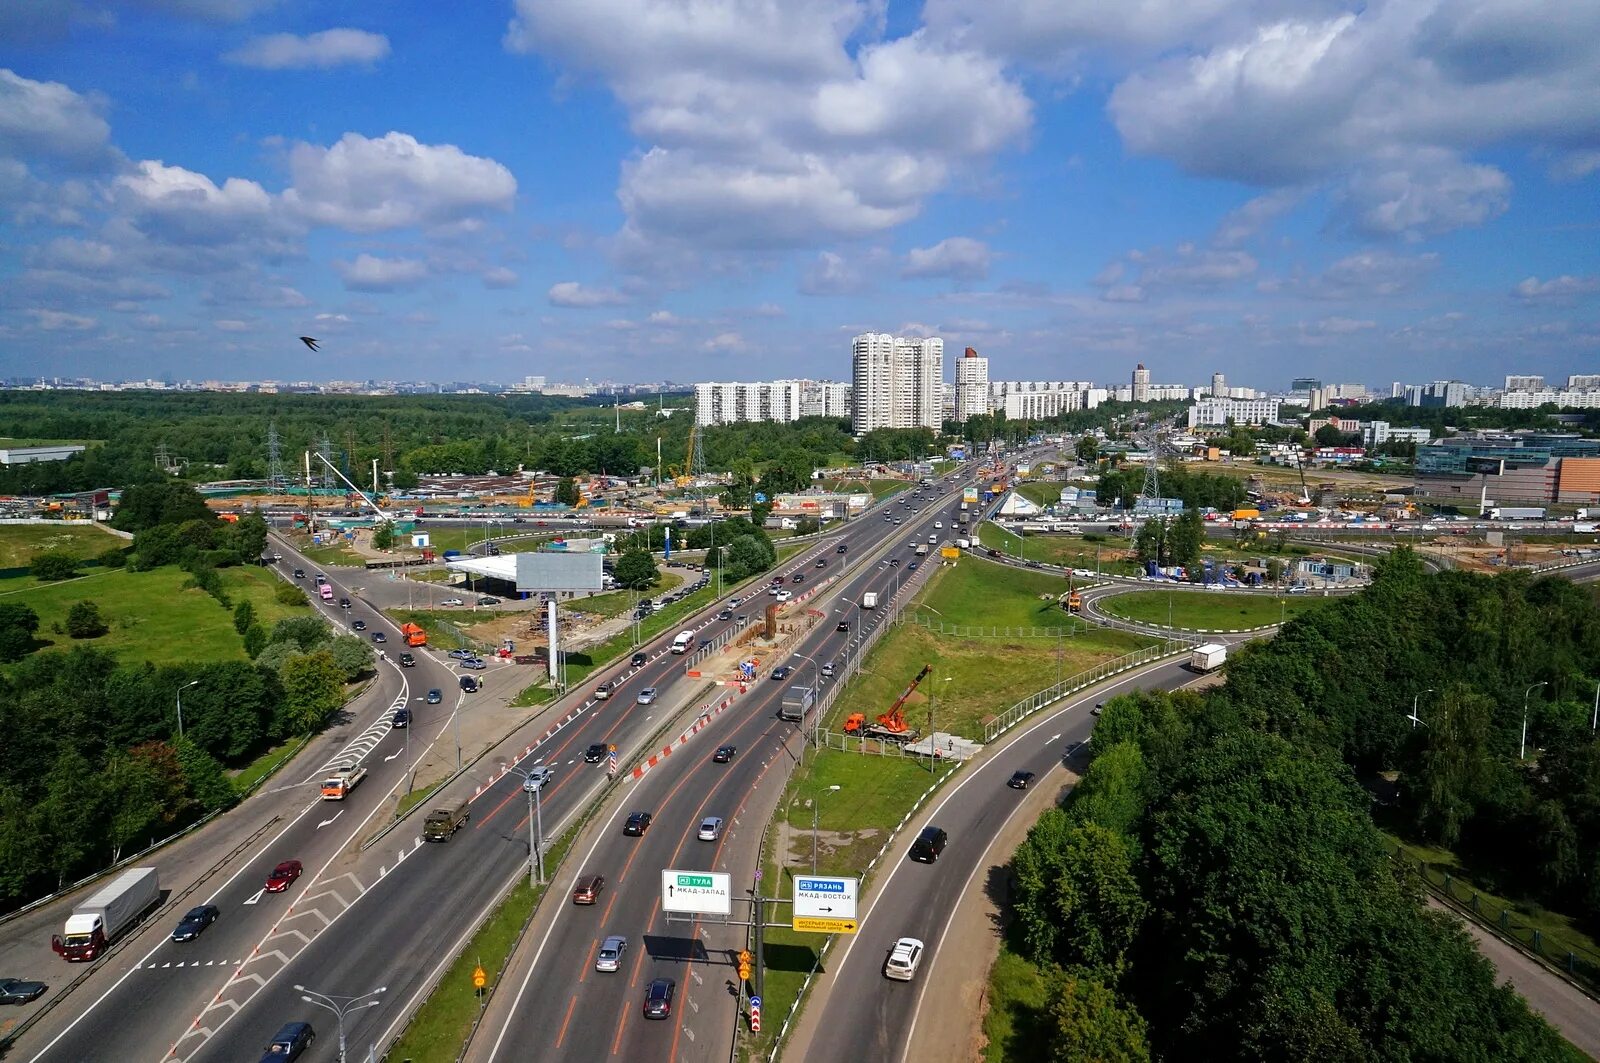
1104 670
1579 965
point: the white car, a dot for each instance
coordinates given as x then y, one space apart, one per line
710 828
938 524
783 596
647 696
903 960
452 601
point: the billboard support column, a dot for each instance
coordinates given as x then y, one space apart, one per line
555 653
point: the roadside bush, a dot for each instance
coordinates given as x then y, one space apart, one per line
17 626
255 640
116 557
244 615
288 594
85 622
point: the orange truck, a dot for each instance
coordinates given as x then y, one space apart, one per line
414 635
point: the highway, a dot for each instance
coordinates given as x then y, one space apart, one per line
574 1012
864 1015
416 904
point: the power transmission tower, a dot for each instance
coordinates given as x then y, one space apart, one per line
388 449
1152 470
325 475
697 454
276 474
163 462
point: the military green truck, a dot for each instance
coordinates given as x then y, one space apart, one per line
443 822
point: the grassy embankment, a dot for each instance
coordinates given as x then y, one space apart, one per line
1216 611
986 676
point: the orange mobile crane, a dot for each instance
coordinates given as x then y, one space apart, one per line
891 726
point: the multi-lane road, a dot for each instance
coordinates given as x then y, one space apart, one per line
391 915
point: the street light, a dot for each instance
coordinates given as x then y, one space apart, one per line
1414 718
181 689
816 693
341 1006
815 801
535 821
1522 750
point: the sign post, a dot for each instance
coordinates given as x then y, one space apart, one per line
824 904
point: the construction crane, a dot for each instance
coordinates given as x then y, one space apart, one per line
1300 463
891 725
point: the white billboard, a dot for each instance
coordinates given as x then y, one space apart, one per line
696 892
549 571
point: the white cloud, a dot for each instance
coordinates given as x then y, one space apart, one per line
1123 293
1575 165
958 257
371 274
573 295
1424 193
232 325
370 185
69 253
830 274
499 277
178 206
1364 275
48 119
1339 326
1139 273
1246 222
57 321
1563 287
773 124
329 48
725 341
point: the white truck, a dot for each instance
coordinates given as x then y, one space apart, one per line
339 783
684 642
99 921
1207 658
869 600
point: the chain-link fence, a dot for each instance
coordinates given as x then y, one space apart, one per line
1580 963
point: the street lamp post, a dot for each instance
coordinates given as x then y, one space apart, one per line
181 689
341 1006
1522 750
1414 718
816 692
815 801
535 824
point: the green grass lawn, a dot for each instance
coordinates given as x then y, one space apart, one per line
268 762
1208 609
1016 1024
880 489
259 587
973 679
1105 553
336 554
1039 492
21 543
615 603
152 616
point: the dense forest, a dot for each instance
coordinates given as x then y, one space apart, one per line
1216 887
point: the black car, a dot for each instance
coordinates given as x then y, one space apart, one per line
843 625
407 661
469 684
726 614
1019 780
435 696
842 548
782 672
929 844
724 754
798 577
401 718
290 1043
195 921
658 998
595 753
19 991
358 625
637 824
344 603
379 637
640 660
299 573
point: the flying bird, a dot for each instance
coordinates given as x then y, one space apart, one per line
309 342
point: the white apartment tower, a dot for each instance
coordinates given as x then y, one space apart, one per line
972 385
1141 383
1219 386
896 382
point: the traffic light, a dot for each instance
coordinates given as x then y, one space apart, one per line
745 959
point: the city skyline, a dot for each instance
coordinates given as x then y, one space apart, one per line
523 187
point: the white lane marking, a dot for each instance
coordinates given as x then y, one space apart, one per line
256 898
325 822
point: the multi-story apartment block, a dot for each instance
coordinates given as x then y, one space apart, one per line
896 382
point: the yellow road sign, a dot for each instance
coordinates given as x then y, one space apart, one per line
818 925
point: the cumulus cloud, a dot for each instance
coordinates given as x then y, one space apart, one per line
1563 287
1389 100
958 258
329 48
369 273
830 274
1133 278
46 119
499 277
725 341
577 296
391 182
1246 222
59 321
771 124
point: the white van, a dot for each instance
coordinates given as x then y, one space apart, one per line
684 642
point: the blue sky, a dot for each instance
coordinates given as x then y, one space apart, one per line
699 189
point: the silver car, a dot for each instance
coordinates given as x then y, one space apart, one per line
710 828
647 696
609 957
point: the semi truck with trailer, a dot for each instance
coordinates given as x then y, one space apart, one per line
1517 513
97 923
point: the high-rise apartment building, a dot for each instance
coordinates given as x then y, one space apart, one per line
726 403
1141 384
1583 382
1029 400
896 382
1219 386
972 385
1525 383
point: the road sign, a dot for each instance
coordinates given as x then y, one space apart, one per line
479 978
696 892
755 1001
824 897
811 925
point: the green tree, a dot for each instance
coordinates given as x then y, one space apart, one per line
1455 769
54 565
167 502
636 570
116 557
1149 543
1185 536
255 640
352 655
567 491
85 622
312 689
244 616
1113 791
1089 1024
304 631
135 797
383 536
1087 449
17 626
204 777
748 555
21 854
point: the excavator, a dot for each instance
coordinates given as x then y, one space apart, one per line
891 726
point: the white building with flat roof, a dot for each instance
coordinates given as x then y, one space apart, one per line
727 403
972 385
1216 413
896 382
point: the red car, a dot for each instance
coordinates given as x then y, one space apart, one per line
283 876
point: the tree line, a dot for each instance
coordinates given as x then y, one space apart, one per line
1216 887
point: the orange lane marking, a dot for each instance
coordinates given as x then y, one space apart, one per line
562 1036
